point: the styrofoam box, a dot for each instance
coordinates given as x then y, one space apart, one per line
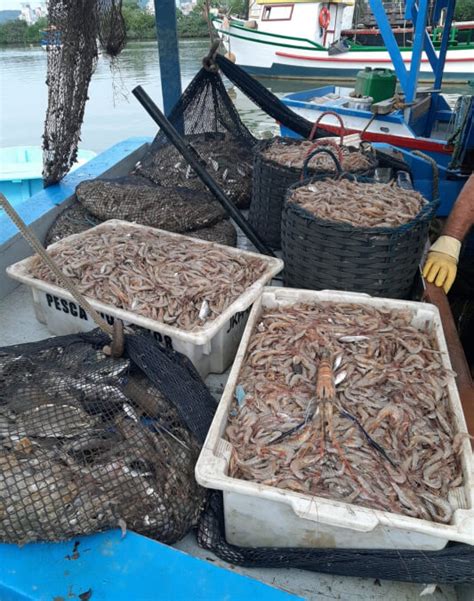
257 515
211 348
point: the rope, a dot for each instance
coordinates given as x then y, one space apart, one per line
434 166
36 245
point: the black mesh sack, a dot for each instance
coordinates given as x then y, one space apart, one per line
74 26
452 565
272 178
89 442
73 219
207 118
133 198
222 232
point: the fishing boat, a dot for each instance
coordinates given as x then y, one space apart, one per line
21 167
413 120
313 40
118 565
341 112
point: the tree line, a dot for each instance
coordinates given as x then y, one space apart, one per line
140 24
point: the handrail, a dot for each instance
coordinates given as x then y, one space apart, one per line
270 34
464 381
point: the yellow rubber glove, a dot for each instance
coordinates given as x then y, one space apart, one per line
442 262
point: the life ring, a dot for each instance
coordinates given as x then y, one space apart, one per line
324 17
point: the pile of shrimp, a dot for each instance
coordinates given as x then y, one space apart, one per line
291 153
350 403
176 281
360 204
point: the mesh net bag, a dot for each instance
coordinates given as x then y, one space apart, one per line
72 220
72 55
111 26
452 565
73 28
134 198
207 118
75 219
88 442
223 233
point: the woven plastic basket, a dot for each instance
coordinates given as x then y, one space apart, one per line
379 261
270 184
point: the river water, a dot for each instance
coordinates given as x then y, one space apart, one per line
112 112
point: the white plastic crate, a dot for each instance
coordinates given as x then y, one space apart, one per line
257 515
211 348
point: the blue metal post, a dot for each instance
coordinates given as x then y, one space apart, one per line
167 34
427 42
418 43
380 15
444 44
439 69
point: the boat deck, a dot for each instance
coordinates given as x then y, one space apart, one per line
18 324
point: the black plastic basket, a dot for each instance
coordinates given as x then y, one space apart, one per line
270 184
321 254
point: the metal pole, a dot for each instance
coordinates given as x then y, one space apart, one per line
419 24
167 34
193 159
444 45
380 15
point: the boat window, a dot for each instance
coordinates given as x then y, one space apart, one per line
277 12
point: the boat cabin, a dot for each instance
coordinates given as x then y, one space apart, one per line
320 22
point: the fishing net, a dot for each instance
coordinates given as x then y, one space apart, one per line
75 219
73 28
163 191
111 26
263 98
134 198
207 118
223 233
88 442
451 565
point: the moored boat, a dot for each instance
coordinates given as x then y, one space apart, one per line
21 167
309 40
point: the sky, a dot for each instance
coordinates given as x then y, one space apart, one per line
15 4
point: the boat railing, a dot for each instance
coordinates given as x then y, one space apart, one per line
237 25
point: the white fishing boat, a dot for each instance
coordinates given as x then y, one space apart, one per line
305 39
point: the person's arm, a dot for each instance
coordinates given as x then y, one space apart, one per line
442 260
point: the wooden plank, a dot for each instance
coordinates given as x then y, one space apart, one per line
437 297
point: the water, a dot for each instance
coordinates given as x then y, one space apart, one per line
112 113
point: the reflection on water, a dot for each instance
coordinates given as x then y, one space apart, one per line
112 113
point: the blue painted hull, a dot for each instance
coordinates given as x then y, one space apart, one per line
19 190
105 567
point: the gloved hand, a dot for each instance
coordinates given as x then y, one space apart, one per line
442 262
